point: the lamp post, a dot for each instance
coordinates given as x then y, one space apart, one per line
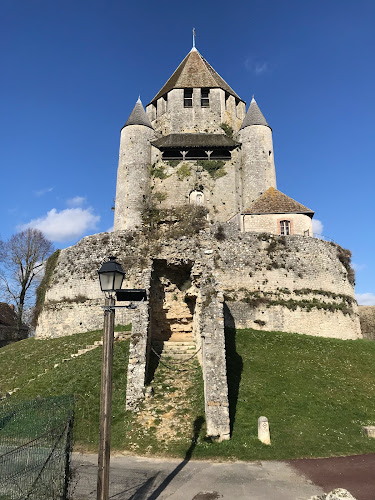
111 276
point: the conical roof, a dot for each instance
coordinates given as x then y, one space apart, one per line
254 116
138 116
195 72
276 202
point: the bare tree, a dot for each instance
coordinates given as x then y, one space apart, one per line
23 256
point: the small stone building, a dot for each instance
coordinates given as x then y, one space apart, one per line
274 212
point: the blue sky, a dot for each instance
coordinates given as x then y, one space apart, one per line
72 72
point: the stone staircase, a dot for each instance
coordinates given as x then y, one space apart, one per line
118 336
181 351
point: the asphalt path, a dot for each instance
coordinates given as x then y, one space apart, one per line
135 478
355 473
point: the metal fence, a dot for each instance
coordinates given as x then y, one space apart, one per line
35 448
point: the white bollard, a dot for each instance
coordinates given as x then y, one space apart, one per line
264 430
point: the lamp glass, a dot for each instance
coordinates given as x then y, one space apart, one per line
118 280
106 282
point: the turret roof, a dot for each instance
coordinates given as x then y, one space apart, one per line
254 116
138 116
195 72
276 202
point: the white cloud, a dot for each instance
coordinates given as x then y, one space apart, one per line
261 68
358 267
257 67
317 227
365 299
110 230
66 225
77 201
41 192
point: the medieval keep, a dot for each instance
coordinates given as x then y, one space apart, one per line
195 144
200 225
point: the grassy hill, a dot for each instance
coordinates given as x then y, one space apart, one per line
316 393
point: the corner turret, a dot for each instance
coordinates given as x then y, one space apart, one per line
257 159
133 168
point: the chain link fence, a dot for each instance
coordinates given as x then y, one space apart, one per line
35 448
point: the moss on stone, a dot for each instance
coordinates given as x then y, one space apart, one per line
44 285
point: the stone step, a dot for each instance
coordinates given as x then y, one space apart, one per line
174 350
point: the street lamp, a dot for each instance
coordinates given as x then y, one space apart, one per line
111 276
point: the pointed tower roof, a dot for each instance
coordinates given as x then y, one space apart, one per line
276 202
195 72
138 116
254 116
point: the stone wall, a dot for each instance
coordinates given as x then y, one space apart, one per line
270 223
173 181
173 118
138 357
367 318
293 283
214 359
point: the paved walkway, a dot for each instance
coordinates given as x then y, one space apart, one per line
134 478
356 473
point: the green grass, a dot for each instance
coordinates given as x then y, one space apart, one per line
316 393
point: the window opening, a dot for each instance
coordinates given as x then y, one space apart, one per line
188 98
285 227
205 98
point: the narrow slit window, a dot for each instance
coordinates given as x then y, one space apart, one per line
205 98
188 98
285 227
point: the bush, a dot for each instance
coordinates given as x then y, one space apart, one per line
220 233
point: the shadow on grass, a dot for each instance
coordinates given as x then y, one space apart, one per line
234 365
145 488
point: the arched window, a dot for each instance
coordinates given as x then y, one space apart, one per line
196 198
285 228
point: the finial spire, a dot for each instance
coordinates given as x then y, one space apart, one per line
193 38
139 99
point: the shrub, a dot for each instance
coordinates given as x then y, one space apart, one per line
184 171
227 129
160 196
214 167
158 172
220 233
345 257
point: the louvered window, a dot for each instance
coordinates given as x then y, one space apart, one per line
188 98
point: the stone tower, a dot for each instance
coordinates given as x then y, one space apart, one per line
196 145
133 169
257 159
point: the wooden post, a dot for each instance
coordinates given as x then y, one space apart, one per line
106 402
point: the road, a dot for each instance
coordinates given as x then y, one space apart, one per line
135 478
